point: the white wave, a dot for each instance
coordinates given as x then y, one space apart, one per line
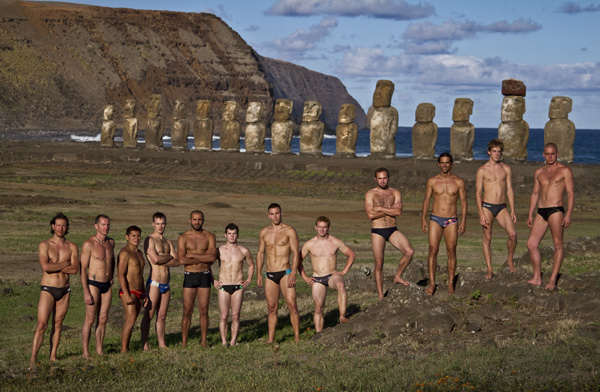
83 139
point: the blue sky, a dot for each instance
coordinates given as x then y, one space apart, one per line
434 51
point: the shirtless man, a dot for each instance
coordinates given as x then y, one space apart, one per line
130 269
231 283
323 249
383 205
59 258
277 242
550 184
97 269
494 181
197 250
161 255
446 189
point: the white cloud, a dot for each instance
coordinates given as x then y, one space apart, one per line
451 72
301 41
383 9
452 31
572 8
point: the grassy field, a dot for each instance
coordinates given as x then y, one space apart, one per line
560 357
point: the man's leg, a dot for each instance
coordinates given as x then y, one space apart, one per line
224 304
105 300
161 317
319 293
91 312
189 297
451 239
203 301
336 282
45 308
508 225
272 296
538 230
400 242
378 244
289 293
131 312
151 308
486 244
557 231
236 307
435 236
60 311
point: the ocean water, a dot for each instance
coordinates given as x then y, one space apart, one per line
586 146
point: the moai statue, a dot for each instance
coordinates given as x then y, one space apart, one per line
462 132
424 132
154 129
346 133
203 127
560 130
130 124
282 129
107 134
383 121
256 130
311 129
231 129
513 130
181 128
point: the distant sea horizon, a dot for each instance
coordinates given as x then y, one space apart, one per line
586 146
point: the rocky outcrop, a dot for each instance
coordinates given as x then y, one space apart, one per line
60 64
300 84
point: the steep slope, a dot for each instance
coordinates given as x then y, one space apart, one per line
61 63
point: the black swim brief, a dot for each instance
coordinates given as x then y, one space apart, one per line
385 232
102 286
444 222
324 280
194 280
231 288
57 292
546 212
494 208
276 276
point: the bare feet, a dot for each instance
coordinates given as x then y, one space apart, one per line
551 285
450 287
431 289
401 281
535 281
344 320
146 347
86 355
511 266
489 275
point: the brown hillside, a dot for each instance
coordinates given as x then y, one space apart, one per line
60 63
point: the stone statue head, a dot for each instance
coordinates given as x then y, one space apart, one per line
312 111
463 108
283 109
153 107
425 112
347 113
230 111
254 113
560 107
129 109
513 108
107 113
383 93
179 111
203 109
